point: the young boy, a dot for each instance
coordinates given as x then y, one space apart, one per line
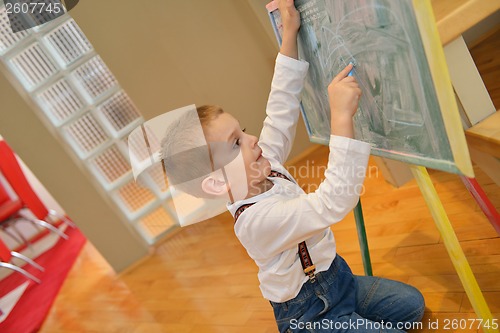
310 287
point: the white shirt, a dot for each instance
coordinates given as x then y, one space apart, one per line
281 218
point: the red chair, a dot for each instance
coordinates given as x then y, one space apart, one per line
5 261
11 169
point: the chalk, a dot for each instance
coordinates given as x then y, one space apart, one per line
351 73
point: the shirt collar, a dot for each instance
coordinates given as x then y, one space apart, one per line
232 207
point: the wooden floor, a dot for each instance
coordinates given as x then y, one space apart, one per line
201 279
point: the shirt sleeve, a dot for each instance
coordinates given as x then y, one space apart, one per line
283 108
277 225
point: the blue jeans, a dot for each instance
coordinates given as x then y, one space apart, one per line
341 302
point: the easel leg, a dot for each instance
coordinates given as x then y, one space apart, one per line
453 246
363 241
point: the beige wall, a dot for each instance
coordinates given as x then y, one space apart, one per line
165 54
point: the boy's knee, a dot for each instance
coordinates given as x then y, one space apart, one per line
414 302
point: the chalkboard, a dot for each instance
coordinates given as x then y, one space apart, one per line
407 111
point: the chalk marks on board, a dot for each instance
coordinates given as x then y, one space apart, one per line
399 112
385 43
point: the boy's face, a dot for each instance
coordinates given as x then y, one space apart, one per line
226 129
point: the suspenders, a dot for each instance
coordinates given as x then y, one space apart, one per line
305 259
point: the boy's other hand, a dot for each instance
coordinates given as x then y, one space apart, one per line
344 94
290 16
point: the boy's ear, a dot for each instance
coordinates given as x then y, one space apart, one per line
213 186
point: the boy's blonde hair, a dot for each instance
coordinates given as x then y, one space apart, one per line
184 150
207 113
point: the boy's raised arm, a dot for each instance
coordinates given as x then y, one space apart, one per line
283 106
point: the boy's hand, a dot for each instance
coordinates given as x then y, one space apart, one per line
344 94
290 16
